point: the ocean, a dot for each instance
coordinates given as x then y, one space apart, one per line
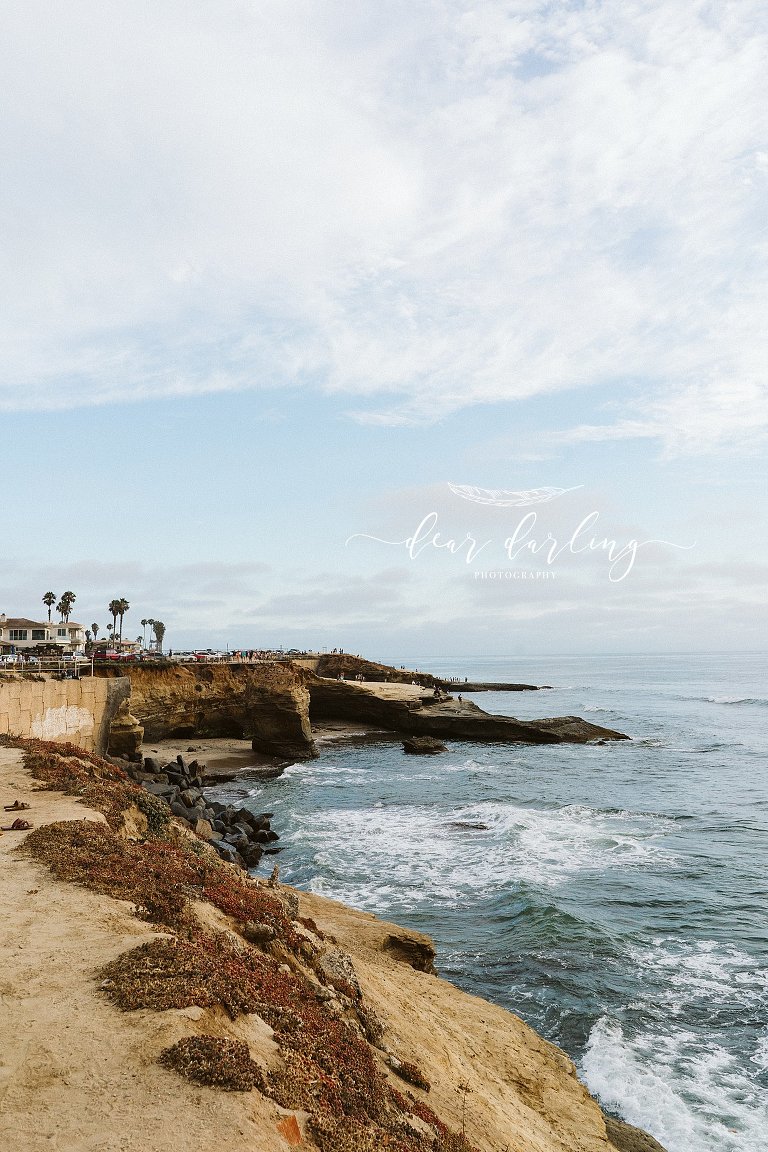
614 896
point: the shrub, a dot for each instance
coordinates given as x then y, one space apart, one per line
219 1063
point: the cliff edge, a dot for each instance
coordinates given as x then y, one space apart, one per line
267 703
326 1025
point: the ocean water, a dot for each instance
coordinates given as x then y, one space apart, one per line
615 897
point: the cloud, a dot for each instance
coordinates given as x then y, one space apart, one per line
455 205
697 418
669 601
193 593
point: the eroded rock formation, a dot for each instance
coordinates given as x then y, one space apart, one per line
266 703
424 715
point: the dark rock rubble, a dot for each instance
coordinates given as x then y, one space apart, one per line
239 836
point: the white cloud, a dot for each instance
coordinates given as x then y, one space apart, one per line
440 205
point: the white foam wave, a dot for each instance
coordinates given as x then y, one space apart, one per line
691 1098
737 700
597 708
313 769
430 853
551 846
760 700
760 1056
717 974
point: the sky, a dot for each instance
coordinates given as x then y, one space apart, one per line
420 328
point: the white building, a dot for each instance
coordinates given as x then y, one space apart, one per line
17 634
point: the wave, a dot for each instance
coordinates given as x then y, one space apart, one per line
314 768
395 857
760 701
688 1092
704 973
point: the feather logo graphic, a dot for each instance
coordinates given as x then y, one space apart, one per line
503 498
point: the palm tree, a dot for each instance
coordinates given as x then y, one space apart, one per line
159 630
88 637
114 610
49 600
124 606
68 600
61 608
95 630
151 624
144 633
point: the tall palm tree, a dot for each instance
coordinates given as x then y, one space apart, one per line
49 600
95 630
61 608
159 630
144 633
114 610
151 624
124 606
68 600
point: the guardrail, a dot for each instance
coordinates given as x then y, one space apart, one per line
65 669
75 667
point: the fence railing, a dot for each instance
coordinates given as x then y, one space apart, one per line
66 668
73 667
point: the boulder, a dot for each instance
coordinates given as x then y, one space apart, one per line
252 855
164 790
423 746
228 853
203 829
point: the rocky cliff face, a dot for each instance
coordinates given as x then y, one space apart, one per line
267 703
97 1077
341 700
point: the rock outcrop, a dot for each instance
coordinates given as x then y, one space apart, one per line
125 733
423 746
335 664
424 715
267 703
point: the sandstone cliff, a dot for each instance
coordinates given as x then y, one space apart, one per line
409 710
272 704
79 1073
267 703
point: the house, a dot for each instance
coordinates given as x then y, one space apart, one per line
17 634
